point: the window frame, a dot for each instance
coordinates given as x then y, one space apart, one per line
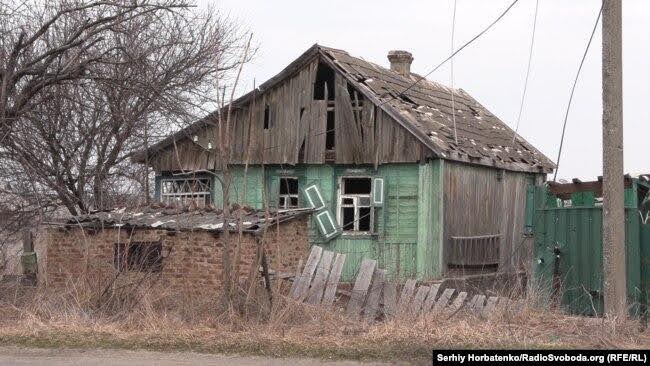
200 197
287 197
355 205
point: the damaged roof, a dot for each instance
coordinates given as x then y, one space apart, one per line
421 106
184 219
424 107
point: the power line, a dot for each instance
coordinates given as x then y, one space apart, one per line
458 50
573 88
530 57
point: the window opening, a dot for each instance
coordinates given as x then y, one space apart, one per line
330 136
288 197
138 256
324 80
267 117
184 191
356 214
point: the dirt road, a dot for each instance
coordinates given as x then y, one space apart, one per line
97 357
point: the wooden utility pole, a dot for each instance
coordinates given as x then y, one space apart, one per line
613 210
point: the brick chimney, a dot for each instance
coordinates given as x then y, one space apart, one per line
400 61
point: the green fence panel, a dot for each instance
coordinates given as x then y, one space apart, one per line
576 232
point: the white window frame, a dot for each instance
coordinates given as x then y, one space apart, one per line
202 198
287 197
355 205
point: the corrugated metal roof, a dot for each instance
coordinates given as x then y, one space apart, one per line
184 219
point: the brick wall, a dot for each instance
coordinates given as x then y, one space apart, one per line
191 259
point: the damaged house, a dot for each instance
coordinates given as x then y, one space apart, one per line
377 156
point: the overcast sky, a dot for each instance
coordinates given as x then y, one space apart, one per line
492 69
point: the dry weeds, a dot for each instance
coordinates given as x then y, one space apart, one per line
161 320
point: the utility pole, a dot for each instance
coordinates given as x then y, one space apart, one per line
613 210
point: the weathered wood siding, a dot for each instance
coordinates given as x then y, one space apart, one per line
297 131
408 226
484 201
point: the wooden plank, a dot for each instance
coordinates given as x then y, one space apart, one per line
479 304
517 305
489 307
296 279
360 287
502 305
472 303
308 272
442 302
405 296
390 298
333 280
322 272
431 298
420 296
372 305
458 302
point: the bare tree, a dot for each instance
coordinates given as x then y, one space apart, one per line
102 92
46 44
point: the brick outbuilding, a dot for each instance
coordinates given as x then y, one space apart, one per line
182 250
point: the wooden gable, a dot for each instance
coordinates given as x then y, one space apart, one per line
288 124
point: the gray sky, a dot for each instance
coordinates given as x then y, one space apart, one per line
492 69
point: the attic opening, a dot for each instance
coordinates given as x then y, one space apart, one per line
324 83
330 135
357 103
267 117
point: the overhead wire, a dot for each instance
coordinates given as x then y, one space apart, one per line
530 57
573 88
477 36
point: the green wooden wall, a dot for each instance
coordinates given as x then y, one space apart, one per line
409 224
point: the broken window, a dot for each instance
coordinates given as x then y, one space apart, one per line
324 83
183 191
138 256
288 197
356 213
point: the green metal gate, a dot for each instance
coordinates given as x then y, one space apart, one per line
568 262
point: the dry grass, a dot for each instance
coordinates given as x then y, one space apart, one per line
160 320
